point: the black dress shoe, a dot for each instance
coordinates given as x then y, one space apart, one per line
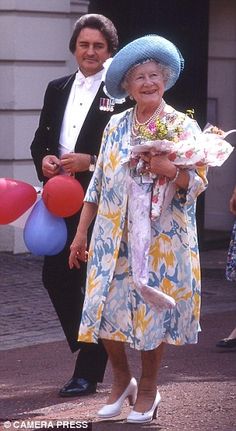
78 387
228 343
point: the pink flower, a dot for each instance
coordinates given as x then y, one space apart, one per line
188 154
183 135
152 127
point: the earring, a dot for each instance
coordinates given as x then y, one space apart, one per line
131 97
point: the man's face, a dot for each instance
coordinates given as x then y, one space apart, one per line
91 51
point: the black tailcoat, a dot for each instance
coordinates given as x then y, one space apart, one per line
65 286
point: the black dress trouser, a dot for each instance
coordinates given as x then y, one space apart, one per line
65 287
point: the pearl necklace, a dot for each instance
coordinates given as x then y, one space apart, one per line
136 124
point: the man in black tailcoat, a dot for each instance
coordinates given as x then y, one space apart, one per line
74 115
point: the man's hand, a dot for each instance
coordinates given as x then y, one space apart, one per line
75 162
50 166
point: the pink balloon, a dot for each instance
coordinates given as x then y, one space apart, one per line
16 197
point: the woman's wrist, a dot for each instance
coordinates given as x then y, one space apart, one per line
181 178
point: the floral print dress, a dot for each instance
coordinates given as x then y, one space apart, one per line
113 308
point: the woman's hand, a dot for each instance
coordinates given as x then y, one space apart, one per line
78 250
161 165
50 166
75 162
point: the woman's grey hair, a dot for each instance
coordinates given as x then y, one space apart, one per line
97 22
166 72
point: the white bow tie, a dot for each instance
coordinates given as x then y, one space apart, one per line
81 81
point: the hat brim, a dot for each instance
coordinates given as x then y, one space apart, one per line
147 47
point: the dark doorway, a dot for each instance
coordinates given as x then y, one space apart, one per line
183 22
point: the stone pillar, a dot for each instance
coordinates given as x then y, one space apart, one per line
221 110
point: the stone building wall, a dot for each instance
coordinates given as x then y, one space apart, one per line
34 50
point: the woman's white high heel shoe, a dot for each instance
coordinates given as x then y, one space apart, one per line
142 418
114 409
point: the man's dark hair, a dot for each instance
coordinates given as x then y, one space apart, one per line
97 22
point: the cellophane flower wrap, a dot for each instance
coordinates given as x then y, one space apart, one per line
167 135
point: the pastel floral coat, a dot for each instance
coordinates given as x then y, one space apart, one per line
113 307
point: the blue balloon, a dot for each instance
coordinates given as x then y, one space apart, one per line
44 234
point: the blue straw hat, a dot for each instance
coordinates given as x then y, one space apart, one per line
145 48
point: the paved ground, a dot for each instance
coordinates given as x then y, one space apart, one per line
197 383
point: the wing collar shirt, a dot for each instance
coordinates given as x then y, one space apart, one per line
80 99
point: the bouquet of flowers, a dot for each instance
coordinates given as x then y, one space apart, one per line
210 149
169 136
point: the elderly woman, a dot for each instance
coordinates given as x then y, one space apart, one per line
115 309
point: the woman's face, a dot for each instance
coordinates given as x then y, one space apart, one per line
145 83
